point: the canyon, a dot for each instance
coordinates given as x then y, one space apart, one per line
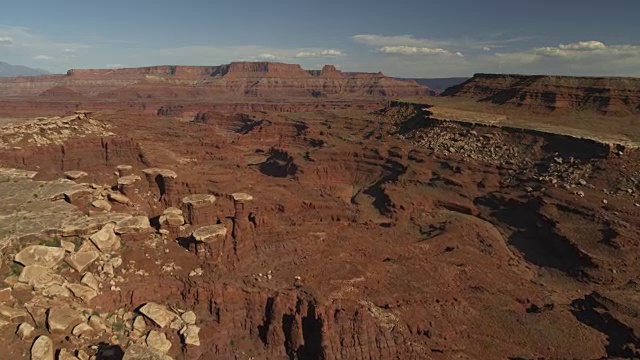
261 211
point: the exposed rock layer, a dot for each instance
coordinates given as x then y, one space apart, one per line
608 95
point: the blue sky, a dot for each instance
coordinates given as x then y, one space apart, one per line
410 38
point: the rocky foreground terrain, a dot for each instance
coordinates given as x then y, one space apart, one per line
328 234
559 94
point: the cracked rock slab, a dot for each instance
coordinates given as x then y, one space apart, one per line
134 225
141 352
80 261
106 239
61 319
82 292
45 256
159 314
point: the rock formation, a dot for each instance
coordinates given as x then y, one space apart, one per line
606 95
199 209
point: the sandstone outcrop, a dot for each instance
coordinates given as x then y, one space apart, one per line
159 314
45 256
199 209
606 95
209 240
42 349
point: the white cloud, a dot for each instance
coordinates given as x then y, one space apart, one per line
115 66
43 57
459 44
583 45
395 40
319 53
68 50
582 51
267 56
6 40
415 50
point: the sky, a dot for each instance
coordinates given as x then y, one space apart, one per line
403 38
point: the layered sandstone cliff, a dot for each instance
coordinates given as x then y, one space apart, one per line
608 95
255 79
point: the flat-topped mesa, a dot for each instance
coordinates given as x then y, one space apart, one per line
174 71
161 183
607 95
199 209
241 79
264 68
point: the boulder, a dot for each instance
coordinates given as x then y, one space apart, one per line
119 198
157 313
82 292
39 277
78 195
134 225
56 290
5 295
142 352
172 210
12 313
101 204
139 324
25 330
189 317
106 239
190 335
42 349
75 174
96 323
172 219
64 354
45 256
60 319
82 330
90 280
158 340
81 260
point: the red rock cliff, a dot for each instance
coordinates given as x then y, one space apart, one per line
609 95
263 79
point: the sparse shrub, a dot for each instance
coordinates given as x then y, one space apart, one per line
55 242
16 269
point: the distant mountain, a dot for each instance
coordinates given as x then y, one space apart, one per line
440 84
245 79
8 70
